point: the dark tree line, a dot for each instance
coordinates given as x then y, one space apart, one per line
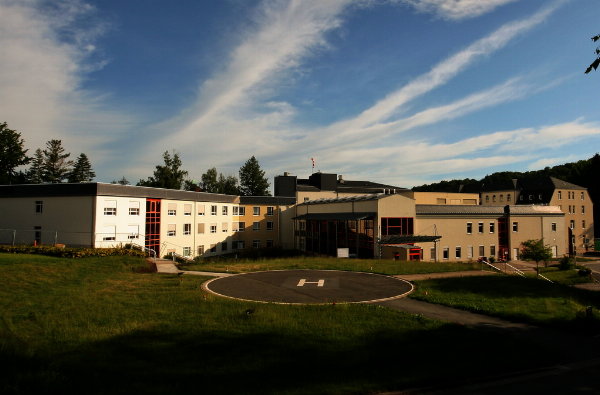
585 173
50 165
252 180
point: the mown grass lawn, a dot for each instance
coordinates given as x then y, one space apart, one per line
566 277
514 298
383 266
97 326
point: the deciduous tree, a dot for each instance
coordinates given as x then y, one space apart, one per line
252 179
596 62
169 176
535 250
12 155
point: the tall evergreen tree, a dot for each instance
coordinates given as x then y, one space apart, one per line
56 165
252 179
35 174
169 176
12 155
82 170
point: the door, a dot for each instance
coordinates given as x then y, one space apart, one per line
516 254
554 251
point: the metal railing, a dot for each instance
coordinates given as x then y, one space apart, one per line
150 251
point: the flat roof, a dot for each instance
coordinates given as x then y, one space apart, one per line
334 216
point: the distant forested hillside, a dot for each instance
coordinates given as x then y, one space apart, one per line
585 173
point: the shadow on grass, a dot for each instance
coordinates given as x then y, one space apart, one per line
155 362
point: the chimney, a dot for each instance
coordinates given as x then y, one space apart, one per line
341 179
286 174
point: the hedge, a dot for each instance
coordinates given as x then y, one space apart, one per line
64 252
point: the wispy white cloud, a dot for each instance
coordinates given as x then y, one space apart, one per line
457 9
46 55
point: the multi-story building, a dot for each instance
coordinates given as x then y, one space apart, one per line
164 220
393 226
571 199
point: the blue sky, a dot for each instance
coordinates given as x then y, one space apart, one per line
404 92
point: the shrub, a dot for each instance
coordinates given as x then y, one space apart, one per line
585 272
62 252
492 259
565 263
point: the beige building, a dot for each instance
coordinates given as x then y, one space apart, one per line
572 200
393 226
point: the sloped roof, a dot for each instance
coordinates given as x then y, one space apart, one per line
432 209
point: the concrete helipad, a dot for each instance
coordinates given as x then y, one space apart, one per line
309 286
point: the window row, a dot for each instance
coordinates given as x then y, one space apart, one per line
458 252
572 209
501 198
480 228
571 195
110 207
572 224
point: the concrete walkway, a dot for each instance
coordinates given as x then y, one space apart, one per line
168 266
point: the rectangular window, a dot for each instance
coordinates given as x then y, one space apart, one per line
458 251
270 211
241 226
200 229
256 226
256 211
574 210
109 233
110 207
110 211
225 210
171 230
492 227
583 224
432 253
469 228
302 225
134 231
306 199
446 253
134 208
572 226
213 248
172 209
200 250
225 227
582 209
569 209
255 243
269 243
187 251
501 198
540 197
237 245
200 209
187 229
302 243
213 210
554 226
38 206
187 209
508 198
480 227
582 196
270 226
559 195
242 210
481 250
224 246
469 251
515 227
236 210
213 228
493 250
